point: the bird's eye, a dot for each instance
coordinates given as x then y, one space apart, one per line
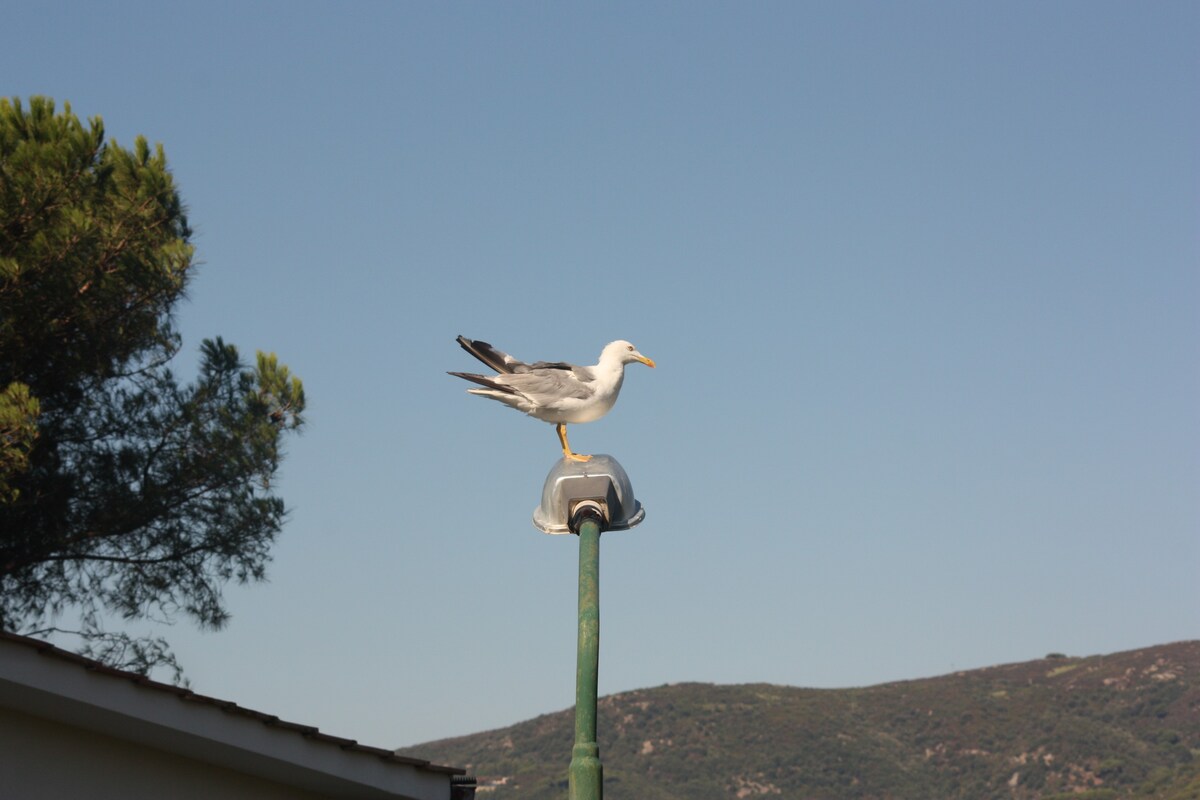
631 347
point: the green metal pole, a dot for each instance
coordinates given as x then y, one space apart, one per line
585 777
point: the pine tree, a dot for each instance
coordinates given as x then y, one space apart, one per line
123 493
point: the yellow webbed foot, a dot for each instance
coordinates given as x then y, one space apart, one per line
567 454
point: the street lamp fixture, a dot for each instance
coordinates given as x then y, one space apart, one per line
585 498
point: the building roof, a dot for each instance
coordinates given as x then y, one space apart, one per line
41 679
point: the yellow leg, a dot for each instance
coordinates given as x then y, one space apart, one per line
562 437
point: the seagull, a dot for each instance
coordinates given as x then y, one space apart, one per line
555 392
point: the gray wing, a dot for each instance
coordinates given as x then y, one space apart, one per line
545 387
502 362
549 365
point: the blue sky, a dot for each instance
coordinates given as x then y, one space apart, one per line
922 281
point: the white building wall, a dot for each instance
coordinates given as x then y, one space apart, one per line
41 760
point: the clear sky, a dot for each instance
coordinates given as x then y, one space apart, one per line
922 281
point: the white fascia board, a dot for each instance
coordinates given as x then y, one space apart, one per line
117 706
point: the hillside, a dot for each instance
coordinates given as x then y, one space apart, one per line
1118 726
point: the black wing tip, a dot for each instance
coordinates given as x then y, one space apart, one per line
489 355
485 381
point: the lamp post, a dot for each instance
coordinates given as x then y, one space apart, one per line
585 776
586 498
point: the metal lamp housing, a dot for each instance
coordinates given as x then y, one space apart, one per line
600 483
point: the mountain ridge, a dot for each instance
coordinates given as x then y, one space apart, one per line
1120 725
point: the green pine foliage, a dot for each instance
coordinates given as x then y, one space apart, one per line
123 492
18 431
1123 726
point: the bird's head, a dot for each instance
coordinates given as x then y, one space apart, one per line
624 353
